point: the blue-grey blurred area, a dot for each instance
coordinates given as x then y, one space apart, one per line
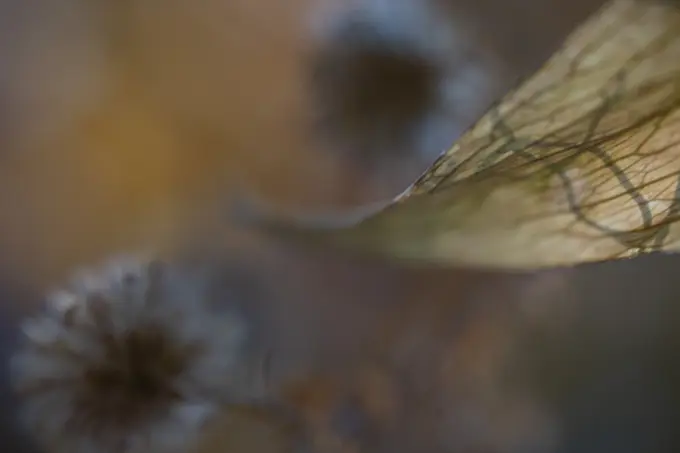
441 360
125 126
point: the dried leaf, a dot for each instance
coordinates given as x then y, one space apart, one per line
580 163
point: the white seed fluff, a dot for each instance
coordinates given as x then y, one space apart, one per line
129 359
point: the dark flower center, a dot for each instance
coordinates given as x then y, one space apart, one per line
135 378
364 85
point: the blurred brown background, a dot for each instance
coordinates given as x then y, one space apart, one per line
129 123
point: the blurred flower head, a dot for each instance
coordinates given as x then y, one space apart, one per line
129 359
397 78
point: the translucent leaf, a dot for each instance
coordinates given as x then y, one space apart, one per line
580 163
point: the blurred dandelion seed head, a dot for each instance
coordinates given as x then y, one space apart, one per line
130 359
396 77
